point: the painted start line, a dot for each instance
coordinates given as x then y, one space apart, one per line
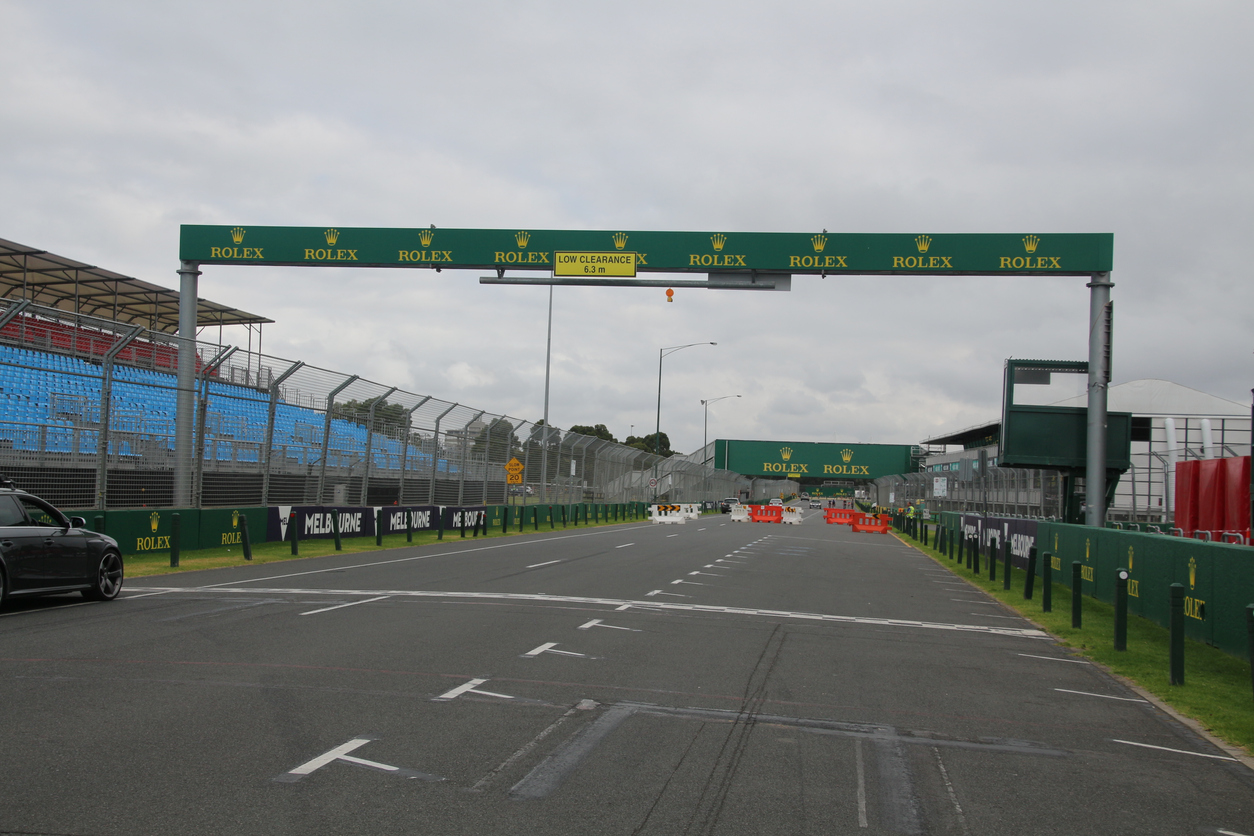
617 603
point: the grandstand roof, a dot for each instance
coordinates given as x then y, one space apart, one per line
55 281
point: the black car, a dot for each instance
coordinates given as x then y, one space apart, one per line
43 552
727 504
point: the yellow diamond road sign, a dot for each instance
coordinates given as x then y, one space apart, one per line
514 466
594 264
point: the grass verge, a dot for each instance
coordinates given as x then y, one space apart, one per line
148 565
1216 693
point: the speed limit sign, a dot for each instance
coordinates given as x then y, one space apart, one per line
652 483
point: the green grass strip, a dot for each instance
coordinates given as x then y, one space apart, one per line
1217 691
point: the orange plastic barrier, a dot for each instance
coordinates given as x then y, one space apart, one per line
869 523
840 516
766 513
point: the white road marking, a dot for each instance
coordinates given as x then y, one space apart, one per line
953 797
482 782
596 622
1177 751
545 563
342 606
547 647
1103 696
733 562
690 583
616 602
471 687
669 536
1056 659
625 607
654 592
1229 833
624 545
340 753
708 574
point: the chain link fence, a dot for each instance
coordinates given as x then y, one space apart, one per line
87 420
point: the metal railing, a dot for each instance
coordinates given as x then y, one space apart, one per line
87 420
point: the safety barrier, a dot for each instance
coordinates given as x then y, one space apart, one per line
869 523
841 516
667 514
766 513
691 510
791 515
740 513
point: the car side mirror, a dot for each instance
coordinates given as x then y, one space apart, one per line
78 522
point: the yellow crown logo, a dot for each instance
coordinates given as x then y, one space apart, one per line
785 453
153 519
237 235
718 241
819 242
923 242
846 455
1030 243
332 235
1192 572
1131 555
235 519
522 238
426 237
620 240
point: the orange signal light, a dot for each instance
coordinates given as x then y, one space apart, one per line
670 295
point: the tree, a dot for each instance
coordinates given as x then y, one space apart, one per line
497 442
359 413
599 431
646 443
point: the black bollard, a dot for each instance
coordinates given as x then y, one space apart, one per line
461 522
1077 594
505 520
1047 583
243 537
1005 565
1177 634
99 524
439 523
293 533
1031 577
1121 609
975 557
175 534
962 542
335 529
535 517
992 561
1249 637
409 525
552 519
563 507
378 527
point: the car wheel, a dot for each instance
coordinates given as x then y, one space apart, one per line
4 589
108 581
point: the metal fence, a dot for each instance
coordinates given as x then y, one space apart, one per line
1005 491
87 420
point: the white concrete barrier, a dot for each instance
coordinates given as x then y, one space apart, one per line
667 514
740 513
792 515
691 510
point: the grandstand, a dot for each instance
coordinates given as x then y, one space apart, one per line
88 413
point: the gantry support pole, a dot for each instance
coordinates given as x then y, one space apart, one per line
1100 321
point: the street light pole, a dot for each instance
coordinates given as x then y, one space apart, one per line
657 433
662 352
705 439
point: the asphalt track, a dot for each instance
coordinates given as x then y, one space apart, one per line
705 678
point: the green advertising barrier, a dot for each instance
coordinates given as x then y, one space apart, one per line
145 531
1218 578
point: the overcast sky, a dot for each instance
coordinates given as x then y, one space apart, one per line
119 121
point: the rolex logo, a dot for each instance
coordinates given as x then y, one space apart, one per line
153 519
923 242
846 455
237 235
426 237
235 519
785 453
1030 243
718 240
332 236
819 242
522 238
620 240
